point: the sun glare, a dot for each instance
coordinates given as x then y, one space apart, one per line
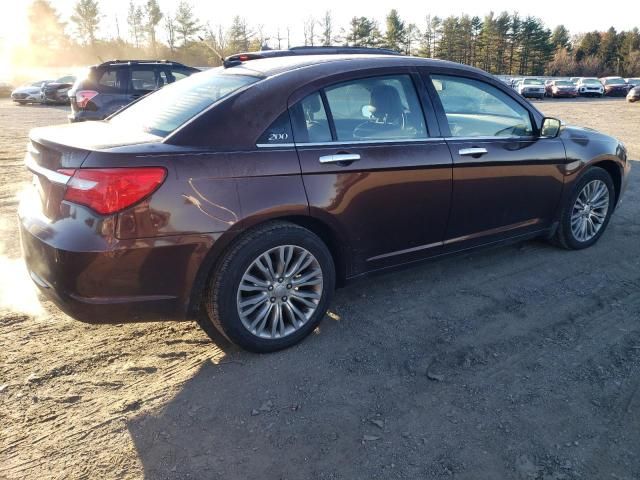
13 34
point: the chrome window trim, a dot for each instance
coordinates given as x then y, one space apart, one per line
274 145
353 142
492 139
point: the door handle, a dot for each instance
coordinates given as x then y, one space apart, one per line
472 152
339 158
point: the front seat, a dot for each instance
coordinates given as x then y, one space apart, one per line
388 115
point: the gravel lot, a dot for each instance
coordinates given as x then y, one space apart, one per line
520 362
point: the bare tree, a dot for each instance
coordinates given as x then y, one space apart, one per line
170 26
309 28
326 25
134 20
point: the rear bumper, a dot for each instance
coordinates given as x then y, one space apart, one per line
84 115
616 92
105 280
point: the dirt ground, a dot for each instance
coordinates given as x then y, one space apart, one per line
519 362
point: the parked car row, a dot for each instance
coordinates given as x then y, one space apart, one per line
103 89
573 87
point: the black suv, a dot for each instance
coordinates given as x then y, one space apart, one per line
111 85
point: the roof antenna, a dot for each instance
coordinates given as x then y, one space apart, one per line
215 52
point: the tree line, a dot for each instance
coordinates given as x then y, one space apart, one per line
504 43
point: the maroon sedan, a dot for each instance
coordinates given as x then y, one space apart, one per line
561 88
615 86
255 189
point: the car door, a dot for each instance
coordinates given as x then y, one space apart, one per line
507 180
372 170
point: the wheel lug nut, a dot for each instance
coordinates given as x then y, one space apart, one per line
289 286
270 287
284 299
280 280
273 299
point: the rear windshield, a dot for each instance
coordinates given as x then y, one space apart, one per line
163 111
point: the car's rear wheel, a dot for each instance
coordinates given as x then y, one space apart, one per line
588 210
272 288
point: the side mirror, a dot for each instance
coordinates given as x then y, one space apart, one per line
550 127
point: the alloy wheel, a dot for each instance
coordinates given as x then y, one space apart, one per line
279 292
590 210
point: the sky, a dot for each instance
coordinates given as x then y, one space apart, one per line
576 15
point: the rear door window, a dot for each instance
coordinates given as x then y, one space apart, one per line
376 108
311 124
143 80
112 80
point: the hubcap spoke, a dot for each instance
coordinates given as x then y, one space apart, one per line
590 210
280 291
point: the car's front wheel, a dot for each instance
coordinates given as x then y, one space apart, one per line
588 210
272 288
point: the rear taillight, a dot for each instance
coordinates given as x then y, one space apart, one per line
84 96
109 190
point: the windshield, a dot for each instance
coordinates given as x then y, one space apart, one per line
591 81
615 81
163 111
563 83
532 81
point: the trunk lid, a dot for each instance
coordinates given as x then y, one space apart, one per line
53 153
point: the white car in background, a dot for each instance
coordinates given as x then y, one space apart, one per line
590 87
29 93
531 87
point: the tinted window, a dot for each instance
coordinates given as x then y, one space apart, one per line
111 80
312 124
279 132
180 74
165 110
477 109
378 108
143 80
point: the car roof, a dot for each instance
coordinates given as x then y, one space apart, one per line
267 67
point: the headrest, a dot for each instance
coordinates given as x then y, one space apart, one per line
386 101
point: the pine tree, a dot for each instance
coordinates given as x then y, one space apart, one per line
186 24
86 16
395 37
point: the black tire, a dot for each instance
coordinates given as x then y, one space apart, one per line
564 236
220 298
